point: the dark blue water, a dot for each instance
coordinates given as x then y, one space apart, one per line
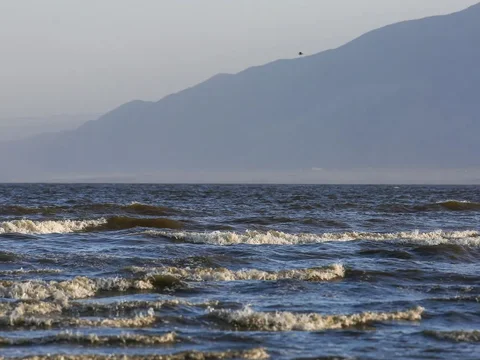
234 272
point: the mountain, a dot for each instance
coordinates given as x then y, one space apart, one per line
403 96
26 127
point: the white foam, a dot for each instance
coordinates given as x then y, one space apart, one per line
63 291
35 308
139 321
252 354
124 306
48 227
467 238
332 272
248 319
93 339
33 313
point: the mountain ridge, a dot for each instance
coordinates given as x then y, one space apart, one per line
403 95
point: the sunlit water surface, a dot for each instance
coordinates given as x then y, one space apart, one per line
233 272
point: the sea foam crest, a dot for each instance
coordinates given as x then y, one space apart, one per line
30 308
252 354
63 291
82 287
93 339
468 237
48 227
327 273
248 319
124 306
140 320
35 308
143 319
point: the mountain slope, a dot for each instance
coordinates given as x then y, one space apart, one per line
27 127
405 95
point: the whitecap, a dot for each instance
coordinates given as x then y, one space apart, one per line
48 227
248 319
327 273
467 237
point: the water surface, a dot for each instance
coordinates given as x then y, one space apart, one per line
240 271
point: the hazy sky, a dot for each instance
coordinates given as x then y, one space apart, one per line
89 56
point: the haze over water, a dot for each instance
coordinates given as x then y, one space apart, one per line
232 271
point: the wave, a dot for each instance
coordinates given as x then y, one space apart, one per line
467 238
452 205
447 205
332 272
264 220
69 337
458 298
248 319
7 256
144 209
135 208
251 354
48 227
19 210
83 287
138 321
325 223
32 308
141 320
124 222
30 271
71 226
125 306
63 291
456 336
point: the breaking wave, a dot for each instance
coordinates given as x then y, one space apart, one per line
48 227
125 306
332 272
83 287
467 238
62 291
252 354
456 336
248 319
32 308
71 226
139 321
69 337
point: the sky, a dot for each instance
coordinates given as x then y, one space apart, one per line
90 56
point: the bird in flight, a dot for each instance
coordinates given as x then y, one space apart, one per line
300 53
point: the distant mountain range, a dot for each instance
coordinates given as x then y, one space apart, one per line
25 127
403 96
